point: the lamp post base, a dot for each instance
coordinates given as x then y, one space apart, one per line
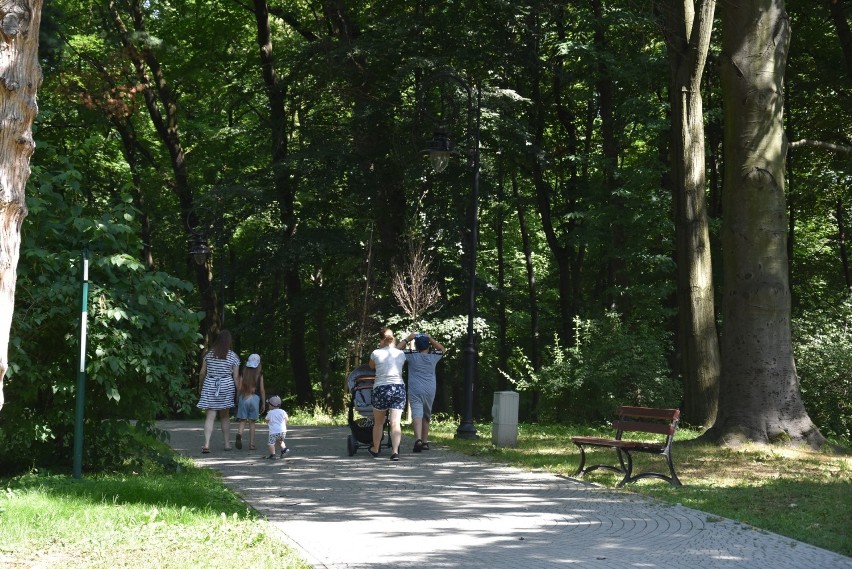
466 430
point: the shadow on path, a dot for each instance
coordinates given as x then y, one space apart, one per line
440 509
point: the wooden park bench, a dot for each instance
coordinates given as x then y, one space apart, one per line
635 420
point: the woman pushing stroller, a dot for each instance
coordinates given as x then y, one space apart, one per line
388 391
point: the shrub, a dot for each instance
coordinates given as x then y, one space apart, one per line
610 363
822 344
139 332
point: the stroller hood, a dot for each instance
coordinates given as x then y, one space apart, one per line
360 382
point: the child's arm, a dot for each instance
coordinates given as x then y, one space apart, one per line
405 341
235 374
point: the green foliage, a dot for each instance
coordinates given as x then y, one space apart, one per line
140 332
822 344
611 363
353 125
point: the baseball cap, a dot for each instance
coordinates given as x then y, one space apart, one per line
253 360
275 401
421 342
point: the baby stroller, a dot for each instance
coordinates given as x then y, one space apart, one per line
360 383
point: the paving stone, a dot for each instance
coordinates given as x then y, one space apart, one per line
439 509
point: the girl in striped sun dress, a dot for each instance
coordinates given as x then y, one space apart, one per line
217 382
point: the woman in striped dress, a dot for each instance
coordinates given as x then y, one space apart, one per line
220 370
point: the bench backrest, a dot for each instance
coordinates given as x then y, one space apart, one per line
647 420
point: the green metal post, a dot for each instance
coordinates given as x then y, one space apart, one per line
81 371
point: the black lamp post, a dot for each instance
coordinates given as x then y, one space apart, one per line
439 152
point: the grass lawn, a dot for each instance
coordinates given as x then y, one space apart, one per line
187 519
797 493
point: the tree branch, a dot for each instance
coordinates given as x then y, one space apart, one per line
819 144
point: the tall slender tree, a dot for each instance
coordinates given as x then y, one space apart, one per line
285 186
687 25
20 78
162 105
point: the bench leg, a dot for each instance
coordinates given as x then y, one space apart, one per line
580 469
628 477
675 481
627 469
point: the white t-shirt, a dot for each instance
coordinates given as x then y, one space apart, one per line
277 421
389 362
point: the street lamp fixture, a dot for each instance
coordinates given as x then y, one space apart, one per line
440 149
439 152
200 252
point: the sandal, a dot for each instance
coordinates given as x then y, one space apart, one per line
205 450
239 442
418 446
425 446
252 447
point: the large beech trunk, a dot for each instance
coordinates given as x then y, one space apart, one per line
759 398
20 78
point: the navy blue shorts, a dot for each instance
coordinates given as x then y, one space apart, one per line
389 397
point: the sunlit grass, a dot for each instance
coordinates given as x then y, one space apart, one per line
795 492
182 520
318 416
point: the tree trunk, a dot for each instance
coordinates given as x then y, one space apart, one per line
841 242
130 146
835 8
20 78
687 27
759 399
285 189
544 191
618 280
535 346
502 310
163 110
531 286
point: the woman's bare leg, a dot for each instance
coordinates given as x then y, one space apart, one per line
209 420
395 429
225 421
378 427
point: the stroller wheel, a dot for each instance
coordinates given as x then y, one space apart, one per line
351 446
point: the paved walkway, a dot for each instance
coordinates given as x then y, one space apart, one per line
440 509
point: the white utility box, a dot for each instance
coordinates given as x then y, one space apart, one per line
504 432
